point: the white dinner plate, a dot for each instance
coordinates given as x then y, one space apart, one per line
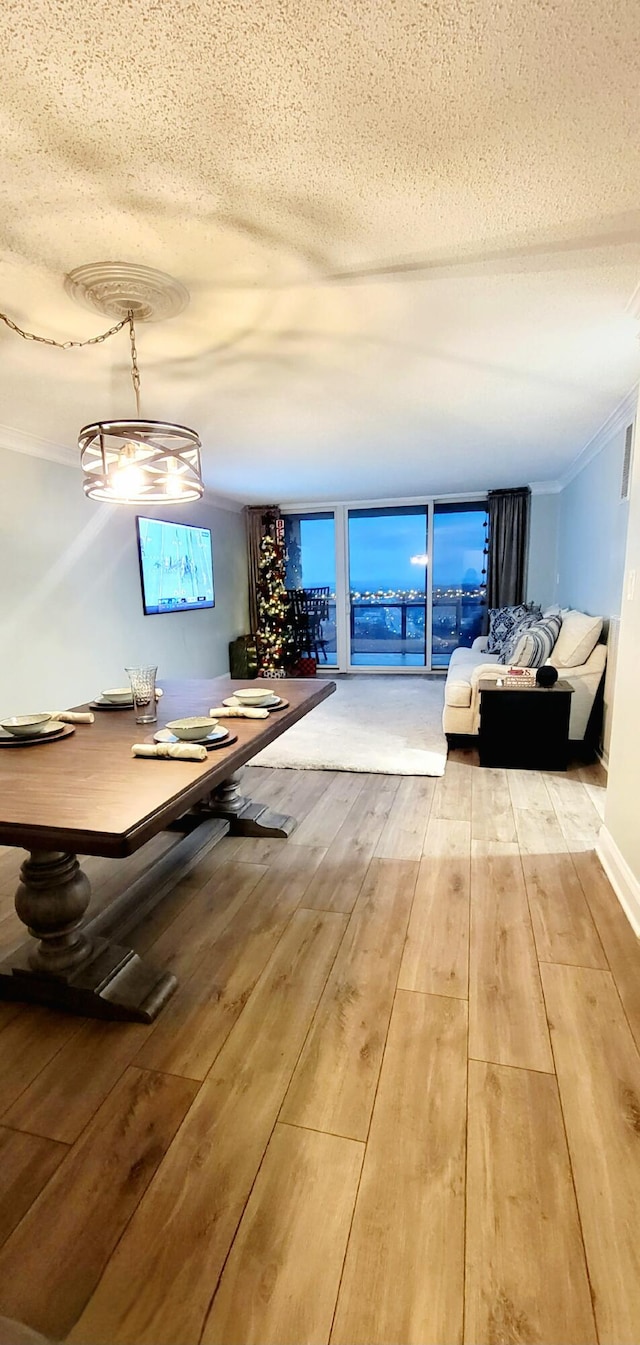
274 703
54 726
104 704
216 736
54 729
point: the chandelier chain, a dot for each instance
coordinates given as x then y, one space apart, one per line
91 341
64 345
135 372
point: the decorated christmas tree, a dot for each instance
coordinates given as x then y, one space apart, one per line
275 634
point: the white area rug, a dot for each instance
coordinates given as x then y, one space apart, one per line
388 725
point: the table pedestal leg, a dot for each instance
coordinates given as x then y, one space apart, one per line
67 968
245 817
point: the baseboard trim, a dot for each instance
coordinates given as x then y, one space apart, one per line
622 879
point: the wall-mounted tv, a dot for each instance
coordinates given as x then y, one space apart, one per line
176 566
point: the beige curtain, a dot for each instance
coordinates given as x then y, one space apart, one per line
259 518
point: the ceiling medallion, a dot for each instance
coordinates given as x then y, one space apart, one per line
118 288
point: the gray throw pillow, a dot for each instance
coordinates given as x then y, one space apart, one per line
504 622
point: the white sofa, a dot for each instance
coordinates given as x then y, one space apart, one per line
462 698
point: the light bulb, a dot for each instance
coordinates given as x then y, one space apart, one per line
127 481
173 485
126 478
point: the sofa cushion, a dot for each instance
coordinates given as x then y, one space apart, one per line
464 658
531 647
457 691
577 639
463 662
504 621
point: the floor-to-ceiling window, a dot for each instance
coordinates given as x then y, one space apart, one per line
404 585
310 540
387 586
459 578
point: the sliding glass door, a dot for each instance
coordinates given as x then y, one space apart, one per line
310 540
387 587
459 578
399 587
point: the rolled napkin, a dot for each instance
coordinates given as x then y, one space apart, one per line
73 716
228 712
159 693
177 751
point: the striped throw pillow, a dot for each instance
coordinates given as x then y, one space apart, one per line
531 647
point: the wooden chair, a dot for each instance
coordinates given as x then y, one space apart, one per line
309 608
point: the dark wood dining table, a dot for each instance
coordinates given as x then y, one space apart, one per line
87 795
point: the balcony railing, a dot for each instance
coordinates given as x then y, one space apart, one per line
397 627
400 627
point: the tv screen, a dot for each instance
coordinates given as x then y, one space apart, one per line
176 566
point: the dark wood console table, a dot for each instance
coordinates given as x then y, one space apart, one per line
526 727
86 795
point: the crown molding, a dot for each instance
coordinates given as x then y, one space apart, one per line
19 441
620 417
382 502
545 487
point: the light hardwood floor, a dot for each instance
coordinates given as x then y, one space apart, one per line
395 1100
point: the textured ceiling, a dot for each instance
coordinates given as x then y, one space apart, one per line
482 159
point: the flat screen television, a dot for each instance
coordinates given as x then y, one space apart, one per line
176 566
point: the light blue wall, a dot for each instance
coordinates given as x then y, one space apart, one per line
71 614
592 534
577 537
543 549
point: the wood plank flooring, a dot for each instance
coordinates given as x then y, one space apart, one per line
395 1100
526 1272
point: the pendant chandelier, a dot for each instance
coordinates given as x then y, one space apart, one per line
138 461
132 461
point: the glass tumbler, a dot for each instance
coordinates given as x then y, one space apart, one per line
143 687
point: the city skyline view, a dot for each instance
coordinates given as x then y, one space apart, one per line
381 547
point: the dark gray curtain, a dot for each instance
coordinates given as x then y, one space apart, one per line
508 540
259 518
